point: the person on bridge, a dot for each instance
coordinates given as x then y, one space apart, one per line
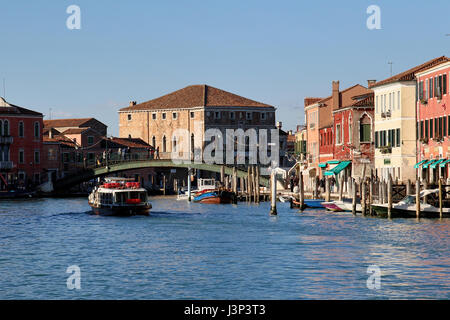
157 153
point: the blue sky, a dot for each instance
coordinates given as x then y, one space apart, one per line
276 52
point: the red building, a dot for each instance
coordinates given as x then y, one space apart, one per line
20 146
433 121
354 144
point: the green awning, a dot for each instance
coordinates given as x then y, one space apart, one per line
428 163
341 166
434 164
333 162
418 164
443 164
322 165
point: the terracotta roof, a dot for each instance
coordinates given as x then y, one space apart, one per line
128 142
8 108
66 122
309 101
409 75
75 130
196 96
367 101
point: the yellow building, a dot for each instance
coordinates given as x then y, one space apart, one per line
395 125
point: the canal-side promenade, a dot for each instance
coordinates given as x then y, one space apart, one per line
196 251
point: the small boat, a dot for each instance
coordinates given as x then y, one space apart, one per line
308 203
183 193
406 208
339 206
210 192
119 197
284 198
16 194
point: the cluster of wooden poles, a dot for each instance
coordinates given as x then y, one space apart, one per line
365 187
248 186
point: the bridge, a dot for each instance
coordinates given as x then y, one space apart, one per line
96 171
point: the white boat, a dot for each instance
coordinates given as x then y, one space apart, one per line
119 197
203 184
406 208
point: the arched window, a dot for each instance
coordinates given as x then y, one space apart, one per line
21 129
174 144
164 144
154 142
6 128
365 129
37 133
1 127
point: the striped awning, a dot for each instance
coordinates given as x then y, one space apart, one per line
323 165
418 164
428 163
341 166
443 164
434 164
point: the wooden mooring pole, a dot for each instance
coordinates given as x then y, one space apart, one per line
354 189
389 197
258 193
301 190
440 198
363 198
327 189
418 199
273 189
341 187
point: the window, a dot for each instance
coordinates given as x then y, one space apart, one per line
217 115
6 128
376 139
397 142
21 156
153 116
129 117
444 126
174 115
444 84
420 90
164 116
350 134
440 128
398 100
36 130
436 128
421 130
21 129
164 144
154 142
263 116
431 128
430 88
365 132
232 115
90 140
192 115
248 115
52 154
338 134
376 104
1 128
426 129
425 94
174 144
37 157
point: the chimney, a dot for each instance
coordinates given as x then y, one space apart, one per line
279 125
290 132
371 83
132 103
335 95
50 133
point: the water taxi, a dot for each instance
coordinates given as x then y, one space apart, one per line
209 191
119 197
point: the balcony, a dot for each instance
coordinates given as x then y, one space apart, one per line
6 165
6 140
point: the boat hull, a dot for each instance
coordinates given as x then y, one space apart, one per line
382 211
124 211
214 197
308 203
332 206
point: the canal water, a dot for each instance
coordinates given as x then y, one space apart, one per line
198 251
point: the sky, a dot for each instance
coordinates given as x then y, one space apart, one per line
275 52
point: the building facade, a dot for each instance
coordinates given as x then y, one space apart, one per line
192 111
20 146
395 124
433 121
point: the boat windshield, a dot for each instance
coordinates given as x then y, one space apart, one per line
409 199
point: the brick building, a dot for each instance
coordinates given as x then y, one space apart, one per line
20 146
433 121
195 108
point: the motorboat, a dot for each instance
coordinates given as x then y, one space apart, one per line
119 197
406 208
